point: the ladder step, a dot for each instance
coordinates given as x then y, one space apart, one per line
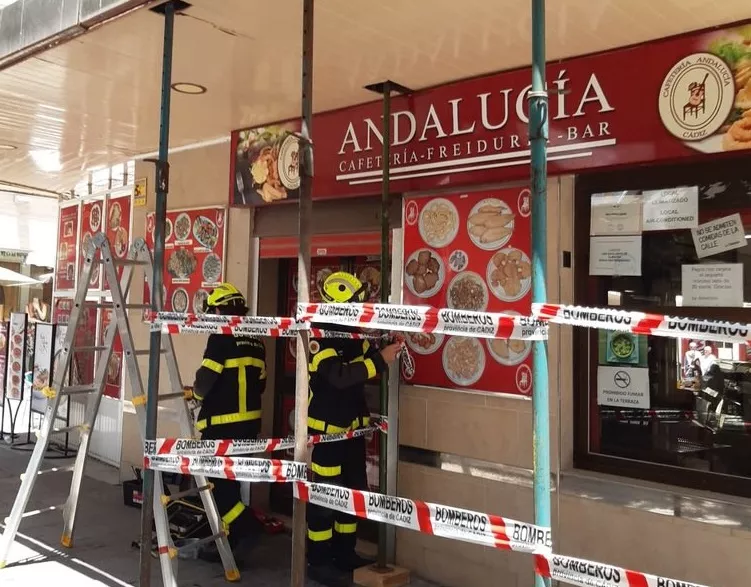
145 352
52 470
89 349
79 389
110 305
193 491
62 430
32 513
199 543
131 262
187 394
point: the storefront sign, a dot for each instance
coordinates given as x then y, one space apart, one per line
718 285
615 213
469 252
7 256
475 131
718 236
92 222
621 386
66 249
118 228
194 256
16 356
615 255
671 209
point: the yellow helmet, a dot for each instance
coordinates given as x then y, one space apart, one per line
227 298
342 287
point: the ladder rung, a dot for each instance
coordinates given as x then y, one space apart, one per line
62 430
110 305
79 389
193 491
32 513
131 262
176 395
90 349
201 542
52 470
145 352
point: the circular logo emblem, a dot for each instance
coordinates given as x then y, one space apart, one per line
524 379
696 96
411 213
524 202
622 379
314 346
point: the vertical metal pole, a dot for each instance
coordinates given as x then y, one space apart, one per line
303 289
155 341
538 135
385 291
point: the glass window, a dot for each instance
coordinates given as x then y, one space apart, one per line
654 402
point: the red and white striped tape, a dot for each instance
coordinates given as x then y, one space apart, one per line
234 468
219 448
641 323
247 330
576 571
425 319
428 518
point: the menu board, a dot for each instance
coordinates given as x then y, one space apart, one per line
42 367
67 231
16 350
92 222
113 378
194 256
118 225
470 252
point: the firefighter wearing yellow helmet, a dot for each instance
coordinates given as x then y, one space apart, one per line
229 385
338 370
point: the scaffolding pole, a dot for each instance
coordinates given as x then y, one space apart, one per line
155 341
305 211
538 136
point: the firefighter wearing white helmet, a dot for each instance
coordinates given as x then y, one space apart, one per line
229 385
338 370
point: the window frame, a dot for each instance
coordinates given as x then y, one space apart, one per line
723 168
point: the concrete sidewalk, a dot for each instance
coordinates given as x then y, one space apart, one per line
105 529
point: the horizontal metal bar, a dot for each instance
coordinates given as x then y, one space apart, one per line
110 305
79 389
52 470
90 349
201 542
61 430
180 494
145 352
129 262
33 513
176 395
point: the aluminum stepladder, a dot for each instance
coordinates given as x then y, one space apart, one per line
139 255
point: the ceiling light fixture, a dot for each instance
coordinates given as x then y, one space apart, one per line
189 88
7 147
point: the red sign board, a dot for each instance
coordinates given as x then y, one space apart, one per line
469 252
113 377
677 98
193 256
66 249
118 228
92 222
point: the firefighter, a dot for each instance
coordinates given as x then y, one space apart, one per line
228 386
338 370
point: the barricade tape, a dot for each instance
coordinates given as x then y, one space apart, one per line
234 468
428 518
584 573
248 330
219 448
642 323
426 319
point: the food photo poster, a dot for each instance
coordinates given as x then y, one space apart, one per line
16 356
194 256
469 251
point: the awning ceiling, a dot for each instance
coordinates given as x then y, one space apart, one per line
11 278
94 101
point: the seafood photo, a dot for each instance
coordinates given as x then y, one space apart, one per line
490 224
182 227
509 274
463 360
438 223
212 268
205 232
181 264
468 292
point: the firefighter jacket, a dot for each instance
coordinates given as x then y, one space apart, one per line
231 380
337 371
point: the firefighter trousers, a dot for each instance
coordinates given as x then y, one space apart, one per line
238 519
331 534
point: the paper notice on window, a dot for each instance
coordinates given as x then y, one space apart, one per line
615 255
719 285
718 236
624 387
615 213
672 209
